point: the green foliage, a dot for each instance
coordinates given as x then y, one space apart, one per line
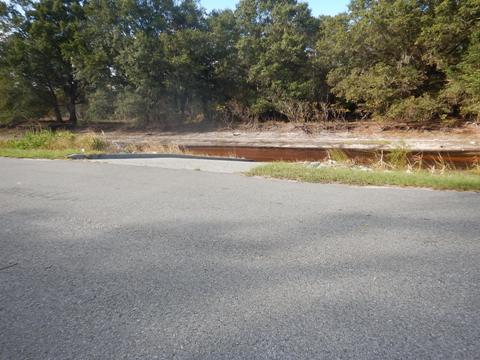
274 50
464 88
131 105
101 105
382 61
33 140
38 153
154 61
41 47
375 89
417 109
19 100
56 140
338 155
93 142
397 158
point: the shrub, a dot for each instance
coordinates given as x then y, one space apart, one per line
338 155
296 111
373 90
19 100
262 107
91 141
417 109
397 158
60 140
34 140
235 111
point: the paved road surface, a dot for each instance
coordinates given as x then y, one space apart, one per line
124 262
219 166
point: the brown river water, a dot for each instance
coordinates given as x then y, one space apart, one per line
457 159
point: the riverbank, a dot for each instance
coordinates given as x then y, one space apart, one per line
369 137
362 136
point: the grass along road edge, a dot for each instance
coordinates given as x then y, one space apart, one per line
42 153
46 144
450 180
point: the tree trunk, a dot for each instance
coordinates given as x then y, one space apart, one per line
72 112
72 108
56 108
57 112
206 109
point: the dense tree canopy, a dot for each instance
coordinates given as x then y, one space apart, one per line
153 60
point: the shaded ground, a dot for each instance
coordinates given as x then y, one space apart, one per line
108 262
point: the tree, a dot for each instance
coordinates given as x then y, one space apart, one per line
150 60
452 41
463 89
148 55
20 100
376 60
228 81
276 39
40 49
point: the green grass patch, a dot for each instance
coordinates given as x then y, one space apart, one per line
454 180
398 158
48 144
56 140
37 153
338 155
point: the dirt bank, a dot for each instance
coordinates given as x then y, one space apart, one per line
359 136
465 139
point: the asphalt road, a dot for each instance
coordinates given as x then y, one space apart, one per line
220 166
102 261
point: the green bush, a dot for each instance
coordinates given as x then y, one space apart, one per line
33 140
397 158
465 80
373 90
417 109
262 106
338 155
97 143
60 140
19 100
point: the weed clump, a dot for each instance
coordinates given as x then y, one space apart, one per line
339 156
57 140
397 158
93 142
